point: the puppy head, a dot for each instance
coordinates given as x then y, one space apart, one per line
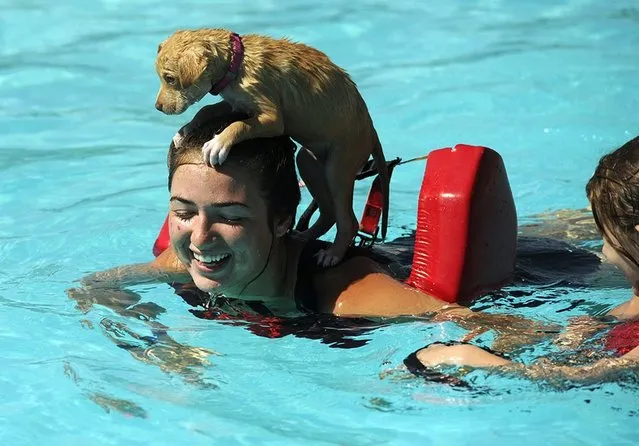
186 63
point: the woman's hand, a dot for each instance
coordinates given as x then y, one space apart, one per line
512 331
578 330
123 302
115 299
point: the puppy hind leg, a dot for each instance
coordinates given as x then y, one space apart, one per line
321 226
305 219
312 172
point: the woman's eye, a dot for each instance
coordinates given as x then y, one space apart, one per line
183 216
169 79
234 219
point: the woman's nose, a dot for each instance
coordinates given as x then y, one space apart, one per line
202 232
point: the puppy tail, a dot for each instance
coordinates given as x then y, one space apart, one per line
382 169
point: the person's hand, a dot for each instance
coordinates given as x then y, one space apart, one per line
103 279
118 300
512 331
161 350
515 331
578 330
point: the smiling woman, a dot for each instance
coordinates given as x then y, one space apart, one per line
227 223
230 235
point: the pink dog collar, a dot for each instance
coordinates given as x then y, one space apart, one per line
236 61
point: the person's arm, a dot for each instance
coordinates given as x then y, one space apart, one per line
459 355
108 288
361 287
165 268
606 369
473 356
582 327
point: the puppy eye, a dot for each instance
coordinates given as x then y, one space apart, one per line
169 79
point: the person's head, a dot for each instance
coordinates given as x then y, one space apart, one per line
613 192
225 221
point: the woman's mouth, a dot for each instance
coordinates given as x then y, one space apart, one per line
210 263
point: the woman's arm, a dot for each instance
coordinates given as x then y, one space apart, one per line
473 356
164 268
581 328
108 288
361 287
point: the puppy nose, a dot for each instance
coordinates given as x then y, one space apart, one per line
158 106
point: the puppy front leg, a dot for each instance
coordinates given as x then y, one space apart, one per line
264 125
204 115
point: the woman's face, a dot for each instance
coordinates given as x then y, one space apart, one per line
628 268
219 228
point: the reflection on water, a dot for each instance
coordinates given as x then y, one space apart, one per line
576 226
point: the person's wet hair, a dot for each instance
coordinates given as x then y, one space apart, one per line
269 159
613 192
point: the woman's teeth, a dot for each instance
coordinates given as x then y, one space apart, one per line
210 259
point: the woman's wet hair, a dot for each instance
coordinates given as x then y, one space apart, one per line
271 160
613 192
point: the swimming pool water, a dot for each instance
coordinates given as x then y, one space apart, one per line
550 85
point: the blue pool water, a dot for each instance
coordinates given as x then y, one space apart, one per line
550 85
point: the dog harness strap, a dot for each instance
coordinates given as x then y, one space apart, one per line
236 60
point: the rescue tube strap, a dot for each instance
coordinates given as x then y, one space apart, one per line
369 223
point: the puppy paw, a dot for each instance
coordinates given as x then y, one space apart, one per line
215 152
327 258
177 139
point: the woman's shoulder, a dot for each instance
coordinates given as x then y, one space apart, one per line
628 310
169 267
359 286
314 282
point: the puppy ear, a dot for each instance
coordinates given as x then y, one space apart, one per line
192 65
160 46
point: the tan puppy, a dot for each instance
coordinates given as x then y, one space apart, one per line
286 88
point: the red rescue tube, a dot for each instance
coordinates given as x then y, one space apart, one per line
466 235
162 242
